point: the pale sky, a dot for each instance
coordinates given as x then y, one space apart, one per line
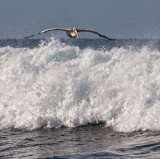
114 18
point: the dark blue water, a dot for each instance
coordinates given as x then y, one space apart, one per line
79 98
84 43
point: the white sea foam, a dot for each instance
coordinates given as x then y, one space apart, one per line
57 84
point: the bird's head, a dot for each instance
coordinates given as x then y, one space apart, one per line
74 29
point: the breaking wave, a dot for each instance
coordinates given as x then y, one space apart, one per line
57 85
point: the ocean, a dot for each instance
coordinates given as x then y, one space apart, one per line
79 98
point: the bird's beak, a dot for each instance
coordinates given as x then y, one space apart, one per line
77 34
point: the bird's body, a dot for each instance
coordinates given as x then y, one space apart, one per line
72 33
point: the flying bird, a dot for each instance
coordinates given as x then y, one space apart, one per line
72 33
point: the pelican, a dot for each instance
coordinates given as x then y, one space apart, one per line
72 33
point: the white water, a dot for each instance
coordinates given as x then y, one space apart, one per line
57 84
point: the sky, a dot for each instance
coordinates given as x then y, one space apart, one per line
120 19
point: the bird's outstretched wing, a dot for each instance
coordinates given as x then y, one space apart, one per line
44 31
91 31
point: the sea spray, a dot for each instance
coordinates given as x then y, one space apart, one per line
57 85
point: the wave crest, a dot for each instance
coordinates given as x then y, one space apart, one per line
61 85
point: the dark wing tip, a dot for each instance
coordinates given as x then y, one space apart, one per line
106 37
112 39
33 35
28 37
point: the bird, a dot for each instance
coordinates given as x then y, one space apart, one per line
72 33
